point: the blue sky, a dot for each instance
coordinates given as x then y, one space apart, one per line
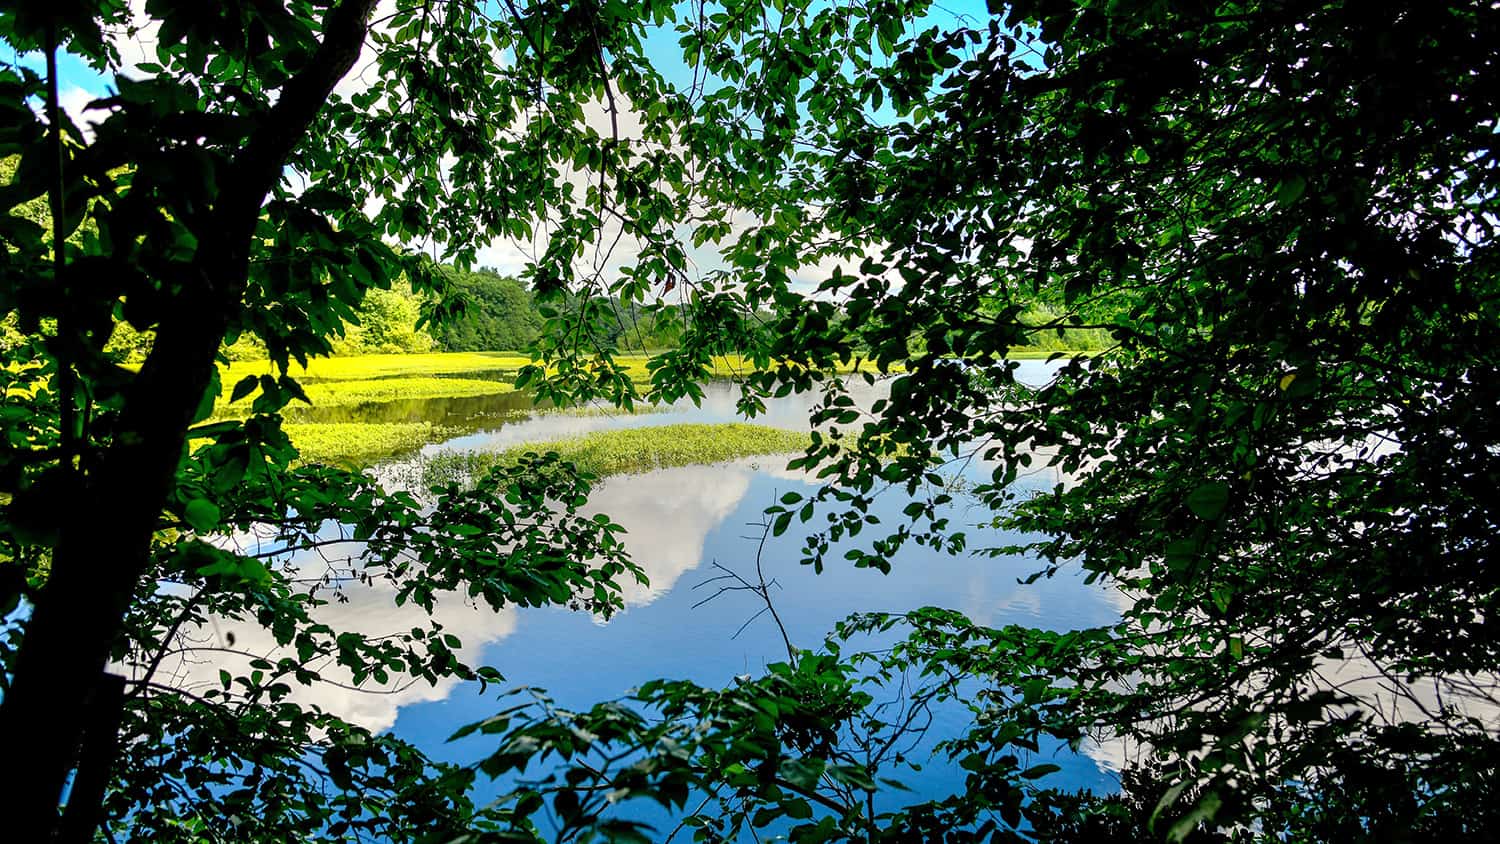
71 70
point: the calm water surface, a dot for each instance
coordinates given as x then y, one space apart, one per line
680 523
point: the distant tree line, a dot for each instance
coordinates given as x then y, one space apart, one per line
498 314
493 313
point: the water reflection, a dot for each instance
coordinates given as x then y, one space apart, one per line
467 412
718 406
679 522
667 515
370 609
666 633
494 423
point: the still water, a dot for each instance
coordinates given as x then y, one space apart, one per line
680 524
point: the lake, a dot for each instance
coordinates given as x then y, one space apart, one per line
681 523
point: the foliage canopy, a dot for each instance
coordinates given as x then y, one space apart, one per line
1285 463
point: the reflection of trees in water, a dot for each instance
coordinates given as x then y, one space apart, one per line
469 412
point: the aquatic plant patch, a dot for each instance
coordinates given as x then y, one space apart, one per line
630 450
360 444
346 393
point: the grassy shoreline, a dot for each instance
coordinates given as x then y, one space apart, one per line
342 381
369 367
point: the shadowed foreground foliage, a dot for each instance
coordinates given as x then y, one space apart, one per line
1280 213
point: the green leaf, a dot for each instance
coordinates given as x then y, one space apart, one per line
803 773
852 775
244 387
1203 812
1290 189
1222 595
1303 385
1039 771
1209 500
201 514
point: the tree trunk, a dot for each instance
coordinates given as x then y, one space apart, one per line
101 744
99 562
103 550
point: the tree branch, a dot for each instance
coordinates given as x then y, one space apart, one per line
261 160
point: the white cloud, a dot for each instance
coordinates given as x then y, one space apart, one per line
225 644
667 515
73 100
137 42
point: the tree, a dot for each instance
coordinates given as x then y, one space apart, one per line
1290 206
231 188
1283 463
498 315
387 321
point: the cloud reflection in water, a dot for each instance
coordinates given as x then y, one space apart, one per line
667 515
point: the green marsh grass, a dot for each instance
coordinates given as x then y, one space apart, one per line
347 381
363 367
360 444
630 450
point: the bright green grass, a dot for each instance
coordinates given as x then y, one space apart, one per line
358 444
722 366
601 408
348 381
358 379
1034 353
630 450
389 389
364 367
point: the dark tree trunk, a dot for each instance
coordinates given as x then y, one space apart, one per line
101 744
103 551
98 564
